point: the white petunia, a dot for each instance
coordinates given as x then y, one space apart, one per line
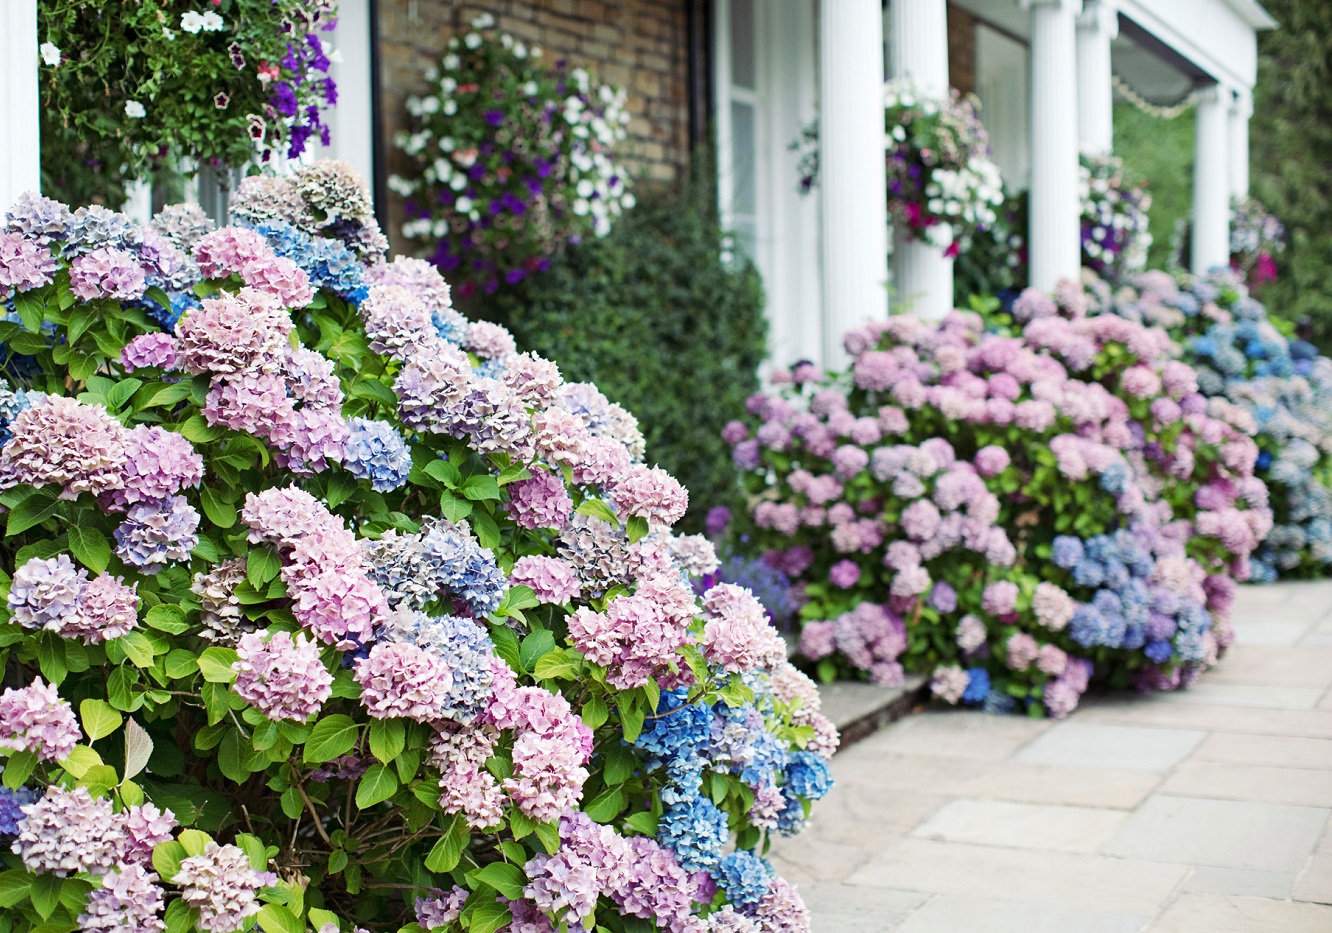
213 23
135 110
50 54
191 22
472 40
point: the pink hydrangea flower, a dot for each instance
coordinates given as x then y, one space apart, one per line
553 580
35 719
281 677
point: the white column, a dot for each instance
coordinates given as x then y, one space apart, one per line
918 40
20 153
851 169
1241 109
1211 181
1054 234
1097 27
350 120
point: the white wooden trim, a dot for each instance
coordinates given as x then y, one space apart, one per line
20 149
351 120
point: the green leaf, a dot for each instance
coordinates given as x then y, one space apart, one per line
18 768
33 510
99 718
45 894
219 511
331 736
377 785
31 311
605 805
643 822
261 565
215 664
79 760
445 472
561 664
167 857
274 918
230 760
513 473
453 508
14 887
595 508
506 878
137 648
487 532
168 395
388 737
197 431
489 917
620 763
447 850
595 712
631 717
481 487
90 546
121 392
536 645
637 526
170 619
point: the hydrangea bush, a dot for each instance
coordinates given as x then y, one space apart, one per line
1016 511
1243 357
326 608
511 160
1115 238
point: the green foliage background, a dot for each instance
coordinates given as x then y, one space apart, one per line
662 325
1291 144
1161 151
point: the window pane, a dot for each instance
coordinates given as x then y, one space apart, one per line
742 43
744 163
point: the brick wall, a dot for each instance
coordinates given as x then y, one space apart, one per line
639 45
961 49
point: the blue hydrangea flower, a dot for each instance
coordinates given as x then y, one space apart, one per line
376 451
696 830
978 685
744 877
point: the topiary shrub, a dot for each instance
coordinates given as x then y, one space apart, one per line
327 609
665 326
1018 506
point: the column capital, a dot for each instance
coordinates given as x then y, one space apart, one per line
1211 94
1100 16
1241 103
1074 6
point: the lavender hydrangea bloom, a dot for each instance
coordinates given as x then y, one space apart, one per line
129 901
283 677
155 533
35 719
222 887
46 592
69 831
377 452
12 803
463 644
42 220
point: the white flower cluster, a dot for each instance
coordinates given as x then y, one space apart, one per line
195 23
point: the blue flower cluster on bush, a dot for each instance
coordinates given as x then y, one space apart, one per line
328 262
1137 602
688 738
1287 388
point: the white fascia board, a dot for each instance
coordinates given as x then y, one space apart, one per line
1253 13
1210 33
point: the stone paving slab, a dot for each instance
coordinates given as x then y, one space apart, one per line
1206 913
1201 812
948 913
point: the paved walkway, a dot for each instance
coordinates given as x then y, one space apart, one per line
1200 812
